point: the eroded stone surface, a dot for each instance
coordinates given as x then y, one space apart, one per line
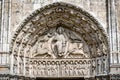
80 36
59 32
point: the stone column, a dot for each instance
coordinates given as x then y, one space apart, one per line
4 31
113 30
113 34
4 25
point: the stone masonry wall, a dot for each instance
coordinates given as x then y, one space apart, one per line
13 12
22 8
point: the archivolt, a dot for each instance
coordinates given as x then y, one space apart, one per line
72 17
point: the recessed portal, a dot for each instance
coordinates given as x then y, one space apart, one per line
59 40
60 79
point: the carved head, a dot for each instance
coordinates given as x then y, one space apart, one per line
60 30
49 35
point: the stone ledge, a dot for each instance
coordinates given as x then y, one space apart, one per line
4 66
114 65
4 52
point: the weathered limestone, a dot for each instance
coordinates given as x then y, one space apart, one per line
113 37
59 31
30 39
4 26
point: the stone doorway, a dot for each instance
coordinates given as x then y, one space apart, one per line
60 78
57 45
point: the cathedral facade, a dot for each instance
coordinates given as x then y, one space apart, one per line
59 39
